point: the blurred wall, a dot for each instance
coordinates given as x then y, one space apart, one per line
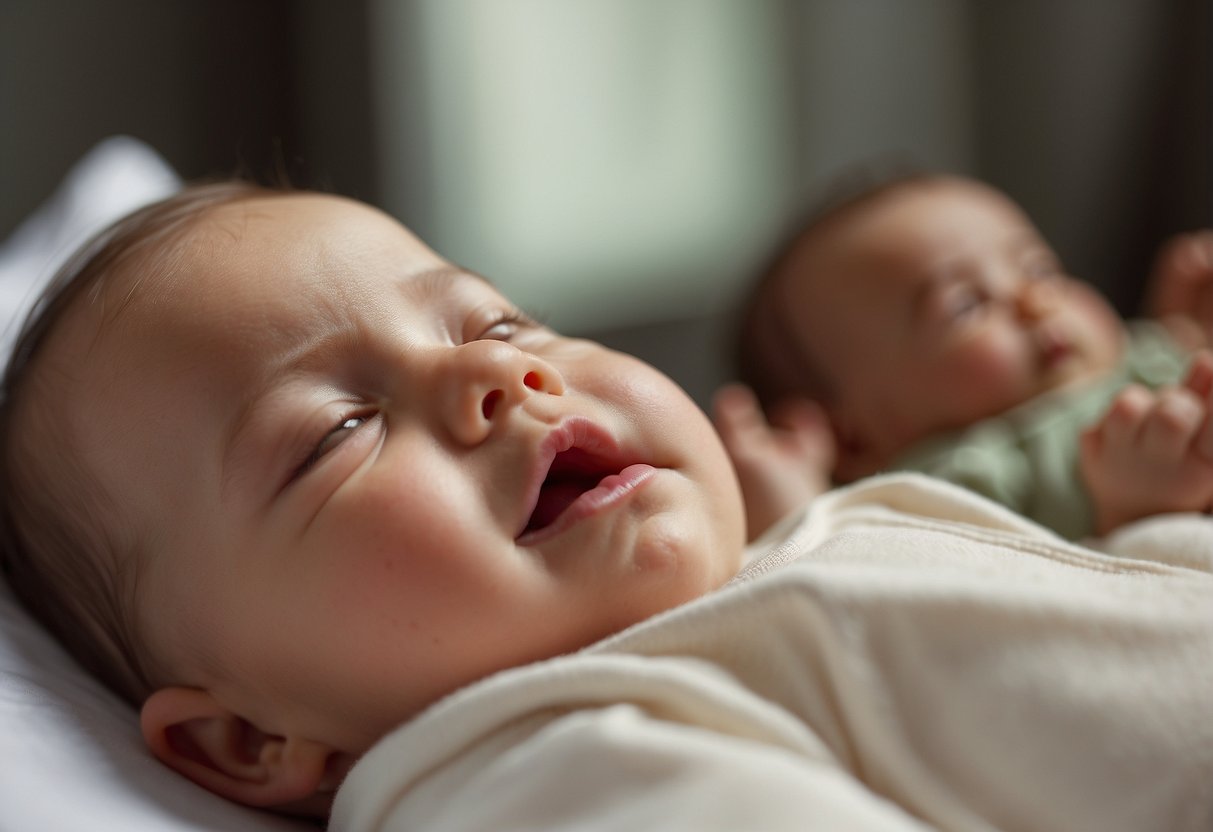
622 165
1096 115
621 162
271 89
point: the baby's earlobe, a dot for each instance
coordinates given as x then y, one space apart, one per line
336 768
190 732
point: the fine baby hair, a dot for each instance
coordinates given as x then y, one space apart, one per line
62 552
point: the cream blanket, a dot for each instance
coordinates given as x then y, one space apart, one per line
910 657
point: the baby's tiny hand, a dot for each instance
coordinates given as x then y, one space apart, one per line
1181 286
1152 452
780 464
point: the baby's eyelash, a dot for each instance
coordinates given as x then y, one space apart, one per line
349 422
510 317
517 315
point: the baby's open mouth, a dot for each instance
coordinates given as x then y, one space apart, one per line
572 473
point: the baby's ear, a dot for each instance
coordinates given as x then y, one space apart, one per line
193 734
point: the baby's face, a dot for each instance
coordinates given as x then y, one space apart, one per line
363 480
941 305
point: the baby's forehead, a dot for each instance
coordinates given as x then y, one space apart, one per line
301 214
275 263
918 223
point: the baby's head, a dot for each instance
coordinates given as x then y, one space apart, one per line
284 477
919 307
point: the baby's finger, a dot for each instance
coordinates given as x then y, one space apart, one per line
1203 444
1197 263
1090 442
1126 415
799 415
1189 256
738 419
1172 424
734 399
1199 378
1200 251
808 422
1200 382
1203 313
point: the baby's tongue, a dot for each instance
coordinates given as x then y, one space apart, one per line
555 497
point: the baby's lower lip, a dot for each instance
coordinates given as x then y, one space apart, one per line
609 492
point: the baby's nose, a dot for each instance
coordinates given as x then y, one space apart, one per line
486 379
1036 298
531 380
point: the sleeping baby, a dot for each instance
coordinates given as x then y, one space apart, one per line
925 324
363 542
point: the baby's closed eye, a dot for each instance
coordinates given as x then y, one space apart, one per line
332 439
501 325
959 299
504 326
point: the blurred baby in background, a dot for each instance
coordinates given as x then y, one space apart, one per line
926 324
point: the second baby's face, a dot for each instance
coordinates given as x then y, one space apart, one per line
940 304
361 479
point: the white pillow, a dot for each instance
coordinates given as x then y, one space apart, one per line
114 178
71 756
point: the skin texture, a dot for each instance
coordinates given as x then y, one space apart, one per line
330 441
939 304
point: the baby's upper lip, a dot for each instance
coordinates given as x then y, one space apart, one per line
576 447
1052 344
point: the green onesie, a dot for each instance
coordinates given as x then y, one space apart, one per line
1027 458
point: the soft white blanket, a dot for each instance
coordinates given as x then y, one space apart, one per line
911 657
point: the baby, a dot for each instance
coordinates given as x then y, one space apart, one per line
296 442
935 330
287 480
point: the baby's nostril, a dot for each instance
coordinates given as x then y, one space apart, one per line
533 380
489 403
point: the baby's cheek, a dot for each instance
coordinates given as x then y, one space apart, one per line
1100 327
994 373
